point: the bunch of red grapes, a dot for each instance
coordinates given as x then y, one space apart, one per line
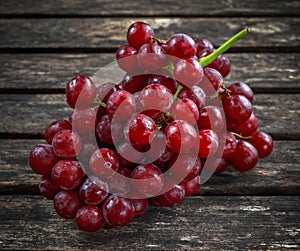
147 139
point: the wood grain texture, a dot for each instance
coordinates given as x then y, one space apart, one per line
277 174
150 8
108 33
198 223
31 113
264 72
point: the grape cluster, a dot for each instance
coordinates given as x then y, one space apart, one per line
147 139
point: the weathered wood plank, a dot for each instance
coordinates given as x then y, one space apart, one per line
153 8
276 175
101 33
198 223
31 113
264 72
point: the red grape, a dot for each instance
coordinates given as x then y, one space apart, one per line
180 136
140 130
89 218
42 158
147 180
121 104
139 33
237 108
54 128
67 203
80 92
181 46
68 174
245 156
104 163
117 211
66 144
263 143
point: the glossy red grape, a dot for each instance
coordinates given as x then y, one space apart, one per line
211 118
164 79
191 187
68 174
202 43
175 195
83 121
161 201
180 136
117 211
48 188
195 171
205 52
80 92
222 166
108 132
103 129
243 89
211 81
139 206
105 90
121 104
185 109
196 94
151 57
263 143
188 72
246 128
89 218
134 83
93 191
104 163
229 146
100 111
140 130
66 144
237 108
54 128
42 158
126 57
139 33
181 46
154 99
67 203
224 65
245 156
147 180
208 143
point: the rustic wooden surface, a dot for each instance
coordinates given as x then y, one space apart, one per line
45 43
44 8
199 223
65 34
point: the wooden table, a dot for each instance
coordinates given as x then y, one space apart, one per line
45 43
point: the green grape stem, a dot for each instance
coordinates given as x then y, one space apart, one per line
103 105
224 47
179 88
